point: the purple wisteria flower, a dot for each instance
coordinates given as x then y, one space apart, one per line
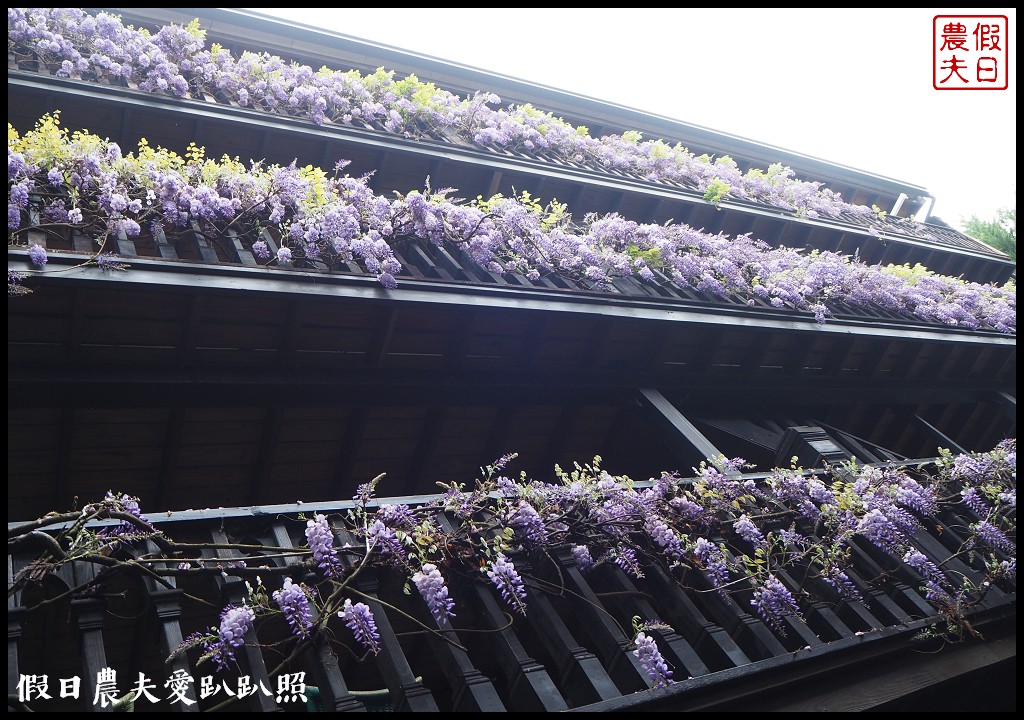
994 536
294 603
581 554
1009 497
382 538
881 531
125 531
14 286
842 584
973 499
920 562
916 496
713 560
506 578
284 255
502 462
652 661
321 542
686 508
235 622
528 524
110 262
359 619
397 516
430 583
664 536
364 492
625 558
934 592
746 529
773 602
506 487
463 504
124 503
260 250
37 255
1006 570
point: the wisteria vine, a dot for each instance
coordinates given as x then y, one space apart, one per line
764 541
175 61
287 216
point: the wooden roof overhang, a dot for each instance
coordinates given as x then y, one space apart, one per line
403 164
199 384
564 654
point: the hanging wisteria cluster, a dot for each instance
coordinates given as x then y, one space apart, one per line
765 542
73 44
305 217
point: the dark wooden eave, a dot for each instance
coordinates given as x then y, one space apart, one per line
187 383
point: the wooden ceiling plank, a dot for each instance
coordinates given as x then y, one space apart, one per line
431 432
348 452
63 490
263 467
168 457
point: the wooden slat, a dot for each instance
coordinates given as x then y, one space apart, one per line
408 693
166 604
89 617
530 688
581 675
610 644
326 673
680 653
233 591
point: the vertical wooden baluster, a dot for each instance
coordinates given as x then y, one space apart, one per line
409 693
326 673
714 643
88 616
581 675
681 653
238 249
612 645
530 688
164 249
15 621
233 591
167 605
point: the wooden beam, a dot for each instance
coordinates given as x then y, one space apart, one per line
567 419
264 465
377 350
1008 404
939 436
348 452
169 457
189 329
321 659
166 606
141 386
62 488
433 423
664 410
580 674
407 691
250 655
